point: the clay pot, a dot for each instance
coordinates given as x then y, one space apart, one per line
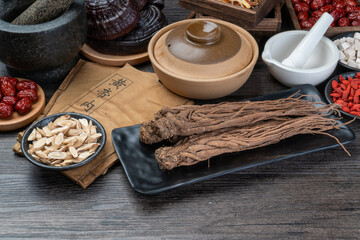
203 59
41 47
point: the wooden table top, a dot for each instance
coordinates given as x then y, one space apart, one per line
313 196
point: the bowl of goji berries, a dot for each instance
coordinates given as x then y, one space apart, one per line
344 89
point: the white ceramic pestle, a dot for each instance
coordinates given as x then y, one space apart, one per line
304 49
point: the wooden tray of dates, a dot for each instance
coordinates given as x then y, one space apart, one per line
304 14
21 104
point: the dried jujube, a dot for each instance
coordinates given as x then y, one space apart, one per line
8 88
23 105
11 101
16 95
26 85
5 110
29 93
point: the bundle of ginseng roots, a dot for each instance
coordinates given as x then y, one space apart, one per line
200 132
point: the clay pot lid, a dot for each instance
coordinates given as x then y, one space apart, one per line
203 49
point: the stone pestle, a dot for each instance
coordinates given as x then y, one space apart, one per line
42 11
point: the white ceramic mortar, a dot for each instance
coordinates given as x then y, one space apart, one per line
320 65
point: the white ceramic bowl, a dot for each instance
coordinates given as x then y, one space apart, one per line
320 65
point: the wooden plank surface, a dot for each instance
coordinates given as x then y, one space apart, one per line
315 196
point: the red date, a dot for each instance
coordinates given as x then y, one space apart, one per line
338 3
338 13
5 110
349 10
307 23
301 7
355 23
27 93
12 80
343 22
354 16
302 15
23 105
307 1
327 8
9 100
7 88
350 3
316 14
316 4
27 84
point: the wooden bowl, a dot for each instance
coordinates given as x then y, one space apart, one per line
20 120
203 76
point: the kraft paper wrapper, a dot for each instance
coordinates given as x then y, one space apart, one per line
116 97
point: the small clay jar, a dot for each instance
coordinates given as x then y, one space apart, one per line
48 46
203 59
203 49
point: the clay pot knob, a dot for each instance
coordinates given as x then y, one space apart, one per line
203 32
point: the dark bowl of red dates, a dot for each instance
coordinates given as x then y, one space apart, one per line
345 12
344 89
16 96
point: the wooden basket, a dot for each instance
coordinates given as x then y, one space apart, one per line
331 32
269 26
236 14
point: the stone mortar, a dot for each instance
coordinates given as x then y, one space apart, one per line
44 46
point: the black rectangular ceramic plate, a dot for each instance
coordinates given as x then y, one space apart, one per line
146 177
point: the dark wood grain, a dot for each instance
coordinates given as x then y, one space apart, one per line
315 196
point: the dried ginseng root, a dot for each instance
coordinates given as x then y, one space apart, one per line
64 142
186 120
197 148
